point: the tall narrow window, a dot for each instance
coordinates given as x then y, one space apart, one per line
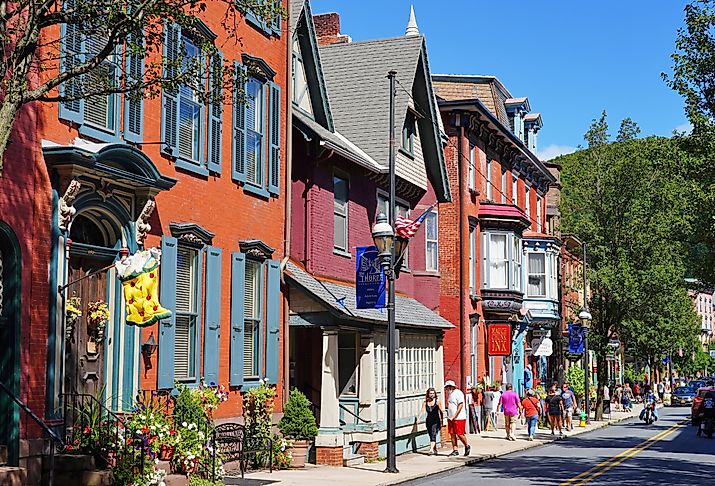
537 275
408 134
472 260
471 168
301 92
539 226
340 213
488 181
100 111
431 242
347 362
516 281
253 305
514 190
554 276
527 203
503 185
254 131
498 261
189 108
187 287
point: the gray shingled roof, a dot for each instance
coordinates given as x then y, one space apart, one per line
409 312
296 7
358 89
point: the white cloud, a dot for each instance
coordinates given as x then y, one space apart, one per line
552 151
685 127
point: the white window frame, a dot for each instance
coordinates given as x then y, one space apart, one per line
514 190
471 168
516 259
513 260
531 273
503 185
415 364
434 242
252 129
539 226
527 203
193 315
256 321
488 180
472 260
341 210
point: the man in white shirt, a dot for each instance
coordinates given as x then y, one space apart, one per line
456 417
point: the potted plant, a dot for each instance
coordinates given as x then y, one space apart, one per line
298 424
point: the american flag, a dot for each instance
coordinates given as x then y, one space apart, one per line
406 228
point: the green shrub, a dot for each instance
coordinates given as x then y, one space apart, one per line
576 377
298 421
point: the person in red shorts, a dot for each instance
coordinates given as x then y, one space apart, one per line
456 417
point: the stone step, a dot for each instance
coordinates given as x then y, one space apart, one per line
13 476
350 460
3 455
88 478
176 480
73 462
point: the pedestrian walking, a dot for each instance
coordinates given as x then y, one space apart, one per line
531 406
476 408
617 396
494 410
456 417
567 396
433 420
511 404
626 397
555 407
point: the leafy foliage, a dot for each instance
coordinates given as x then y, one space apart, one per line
576 378
629 201
298 421
258 405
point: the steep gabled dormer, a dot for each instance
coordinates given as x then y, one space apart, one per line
532 125
516 109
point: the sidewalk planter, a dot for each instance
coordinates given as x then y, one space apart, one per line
298 424
166 453
299 451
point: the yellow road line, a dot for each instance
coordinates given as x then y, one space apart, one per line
617 458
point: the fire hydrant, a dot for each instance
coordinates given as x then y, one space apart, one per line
582 420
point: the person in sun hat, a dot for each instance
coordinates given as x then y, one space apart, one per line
456 417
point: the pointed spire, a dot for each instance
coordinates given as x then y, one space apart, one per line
412 23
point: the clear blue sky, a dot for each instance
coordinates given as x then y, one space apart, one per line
572 58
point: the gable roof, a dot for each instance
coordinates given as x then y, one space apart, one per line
301 22
356 79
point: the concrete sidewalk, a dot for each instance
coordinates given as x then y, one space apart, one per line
418 465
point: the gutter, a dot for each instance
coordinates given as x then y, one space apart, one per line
288 208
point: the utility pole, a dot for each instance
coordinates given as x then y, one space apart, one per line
391 328
586 325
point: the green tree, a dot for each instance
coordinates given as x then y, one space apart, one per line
626 200
36 67
628 130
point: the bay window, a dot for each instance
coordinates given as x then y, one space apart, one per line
501 260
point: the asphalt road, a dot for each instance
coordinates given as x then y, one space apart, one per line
629 453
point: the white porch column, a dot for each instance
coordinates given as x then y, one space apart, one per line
366 379
329 434
439 369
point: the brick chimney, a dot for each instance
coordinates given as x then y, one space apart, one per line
327 29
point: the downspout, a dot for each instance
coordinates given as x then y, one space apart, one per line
463 277
288 202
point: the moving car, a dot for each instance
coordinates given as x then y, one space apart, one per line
695 412
695 384
683 396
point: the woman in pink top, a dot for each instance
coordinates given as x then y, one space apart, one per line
512 408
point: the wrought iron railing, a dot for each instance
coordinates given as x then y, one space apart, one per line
90 427
56 441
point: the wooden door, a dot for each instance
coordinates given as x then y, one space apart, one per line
84 348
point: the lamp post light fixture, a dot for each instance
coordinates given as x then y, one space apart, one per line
383 235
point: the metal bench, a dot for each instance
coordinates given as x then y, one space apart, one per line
234 444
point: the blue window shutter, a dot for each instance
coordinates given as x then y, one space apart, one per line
239 125
167 327
274 152
72 45
273 320
134 108
170 98
212 321
213 158
238 284
277 22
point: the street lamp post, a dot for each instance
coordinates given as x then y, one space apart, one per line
585 316
384 237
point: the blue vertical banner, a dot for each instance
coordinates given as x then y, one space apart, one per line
369 279
575 338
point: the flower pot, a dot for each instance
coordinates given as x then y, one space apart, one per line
299 452
166 452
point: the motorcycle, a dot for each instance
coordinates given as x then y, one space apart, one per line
647 415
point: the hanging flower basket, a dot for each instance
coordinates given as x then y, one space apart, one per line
72 315
97 317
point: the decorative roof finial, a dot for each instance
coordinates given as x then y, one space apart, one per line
412 23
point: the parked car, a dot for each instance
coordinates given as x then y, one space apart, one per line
696 384
683 396
695 412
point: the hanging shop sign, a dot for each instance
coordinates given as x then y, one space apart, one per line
139 274
499 339
369 279
542 347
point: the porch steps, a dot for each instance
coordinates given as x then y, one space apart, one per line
172 479
350 460
10 476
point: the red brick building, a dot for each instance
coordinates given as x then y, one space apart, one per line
499 188
84 180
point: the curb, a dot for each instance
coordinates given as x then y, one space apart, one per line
487 457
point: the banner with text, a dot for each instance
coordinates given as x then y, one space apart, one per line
369 279
575 338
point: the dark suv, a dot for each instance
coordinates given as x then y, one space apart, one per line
696 413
